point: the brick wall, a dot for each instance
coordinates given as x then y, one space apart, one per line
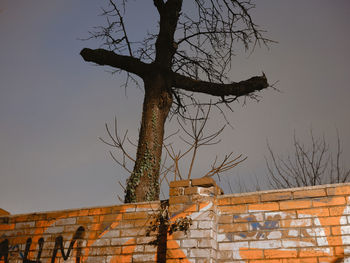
293 225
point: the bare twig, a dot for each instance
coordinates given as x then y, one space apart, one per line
118 142
196 139
227 164
309 165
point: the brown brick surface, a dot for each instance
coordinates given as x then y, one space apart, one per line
329 201
182 183
339 190
204 181
295 204
224 201
271 206
249 199
276 196
191 190
297 225
184 199
3 212
309 193
176 191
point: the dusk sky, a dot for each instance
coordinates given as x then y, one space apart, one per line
53 105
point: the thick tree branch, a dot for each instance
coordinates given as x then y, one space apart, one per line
236 89
165 46
109 58
159 4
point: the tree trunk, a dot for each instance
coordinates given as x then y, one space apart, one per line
143 184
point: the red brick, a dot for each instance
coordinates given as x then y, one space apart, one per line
233 209
191 190
132 232
142 222
174 191
151 206
180 183
322 211
331 259
182 199
336 231
309 193
336 210
295 204
311 252
251 254
237 227
200 198
177 260
3 212
329 201
225 219
108 218
128 249
266 261
87 220
83 212
339 190
100 211
135 215
224 201
248 199
339 251
21 218
273 206
204 181
335 241
274 253
73 213
276 196
7 226
331 221
174 208
301 260
208 191
19 240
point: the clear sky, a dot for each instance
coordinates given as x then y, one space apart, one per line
53 105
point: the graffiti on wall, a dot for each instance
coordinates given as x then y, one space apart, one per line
6 250
269 233
79 248
304 234
48 231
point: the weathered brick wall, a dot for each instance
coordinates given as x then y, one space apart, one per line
293 225
104 234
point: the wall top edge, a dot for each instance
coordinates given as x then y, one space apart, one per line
159 201
82 208
305 188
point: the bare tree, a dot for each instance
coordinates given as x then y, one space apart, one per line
197 138
190 53
194 133
308 165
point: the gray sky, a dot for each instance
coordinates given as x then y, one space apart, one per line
53 105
